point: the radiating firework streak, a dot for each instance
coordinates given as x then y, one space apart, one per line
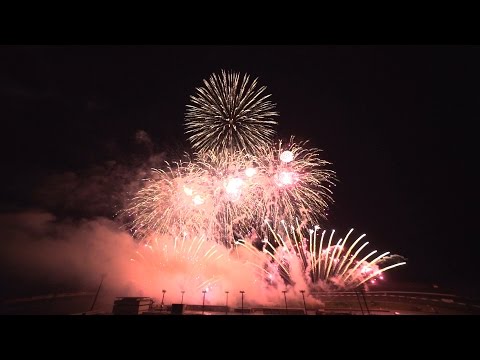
230 114
225 198
331 266
190 259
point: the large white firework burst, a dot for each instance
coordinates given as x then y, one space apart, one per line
228 197
230 113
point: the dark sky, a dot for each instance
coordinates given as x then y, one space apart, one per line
397 122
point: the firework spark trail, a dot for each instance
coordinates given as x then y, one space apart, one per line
337 246
337 263
352 259
229 115
320 249
327 251
349 249
287 250
380 271
362 262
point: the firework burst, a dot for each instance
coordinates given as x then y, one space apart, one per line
234 181
228 198
230 114
323 263
297 182
208 196
162 206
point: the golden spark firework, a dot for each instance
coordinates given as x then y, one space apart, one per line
229 114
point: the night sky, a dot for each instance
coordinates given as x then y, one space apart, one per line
397 123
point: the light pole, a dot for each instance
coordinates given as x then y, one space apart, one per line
163 297
183 292
226 304
359 301
304 304
365 300
242 292
203 305
98 290
285 295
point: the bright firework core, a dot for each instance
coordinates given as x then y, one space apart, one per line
233 188
204 216
286 156
249 172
